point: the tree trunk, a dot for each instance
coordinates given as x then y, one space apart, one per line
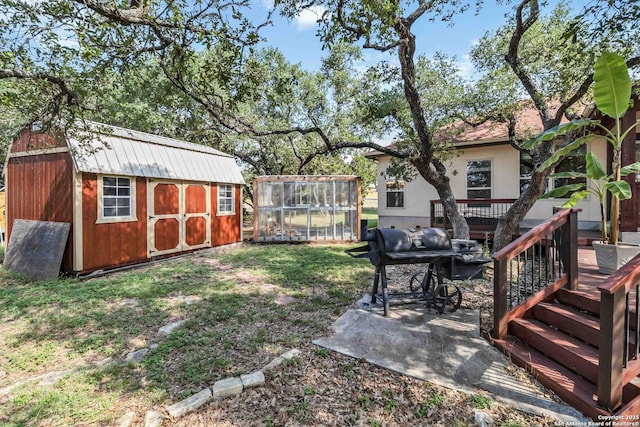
509 224
442 184
429 167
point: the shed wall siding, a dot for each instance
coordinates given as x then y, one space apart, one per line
39 187
225 229
112 244
31 141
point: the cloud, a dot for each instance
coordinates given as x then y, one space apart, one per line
465 67
308 18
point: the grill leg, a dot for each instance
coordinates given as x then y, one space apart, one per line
385 292
374 288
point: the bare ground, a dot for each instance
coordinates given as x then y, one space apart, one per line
324 388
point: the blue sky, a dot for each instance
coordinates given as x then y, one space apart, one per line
298 41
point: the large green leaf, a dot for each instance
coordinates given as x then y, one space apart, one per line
561 191
612 85
558 154
620 189
556 131
575 198
594 167
629 169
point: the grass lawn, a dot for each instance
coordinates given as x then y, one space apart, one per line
237 322
371 215
242 307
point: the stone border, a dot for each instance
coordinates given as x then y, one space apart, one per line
221 389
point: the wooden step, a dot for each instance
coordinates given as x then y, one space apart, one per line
566 350
570 321
570 387
590 301
581 299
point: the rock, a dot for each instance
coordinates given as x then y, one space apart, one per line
273 364
53 377
127 419
103 362
133 302
190 404
153 419
167 329
227 387
136 356
254 379
291 354
482 419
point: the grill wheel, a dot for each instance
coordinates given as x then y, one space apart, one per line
445 298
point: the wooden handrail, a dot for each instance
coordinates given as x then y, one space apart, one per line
564 222
613 375
625 277
533 236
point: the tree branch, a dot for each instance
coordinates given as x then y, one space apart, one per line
513 59
65 92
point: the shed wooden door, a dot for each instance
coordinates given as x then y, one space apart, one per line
179 214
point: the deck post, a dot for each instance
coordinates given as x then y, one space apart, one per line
570 231
500 287
612 309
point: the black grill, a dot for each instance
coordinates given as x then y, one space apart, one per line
445 258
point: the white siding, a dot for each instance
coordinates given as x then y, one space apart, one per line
505 185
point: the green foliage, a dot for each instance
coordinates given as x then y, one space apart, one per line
612 90
612 93
481 402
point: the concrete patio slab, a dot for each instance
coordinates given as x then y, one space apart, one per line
443 349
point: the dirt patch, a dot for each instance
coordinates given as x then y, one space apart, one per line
329 389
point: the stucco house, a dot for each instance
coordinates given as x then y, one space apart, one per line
487 173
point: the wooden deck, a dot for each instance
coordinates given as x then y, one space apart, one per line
558 341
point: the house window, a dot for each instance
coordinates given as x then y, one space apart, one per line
575 162
395 193
479 179
225 199
116 197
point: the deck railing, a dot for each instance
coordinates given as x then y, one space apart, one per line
533 267
481 214
619 333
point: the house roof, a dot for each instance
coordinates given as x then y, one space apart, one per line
461 134
119 151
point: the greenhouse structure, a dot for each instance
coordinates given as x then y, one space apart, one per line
306 208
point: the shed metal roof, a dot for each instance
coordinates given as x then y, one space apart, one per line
112 150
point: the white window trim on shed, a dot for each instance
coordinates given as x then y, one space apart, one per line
132 201
220 212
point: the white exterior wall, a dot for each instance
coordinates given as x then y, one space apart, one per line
505 182
418 193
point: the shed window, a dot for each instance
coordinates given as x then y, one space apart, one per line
225 199
116 197
395 193
479 179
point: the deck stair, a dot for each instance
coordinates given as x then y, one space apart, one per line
574 334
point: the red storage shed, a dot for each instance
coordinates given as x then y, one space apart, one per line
129 196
